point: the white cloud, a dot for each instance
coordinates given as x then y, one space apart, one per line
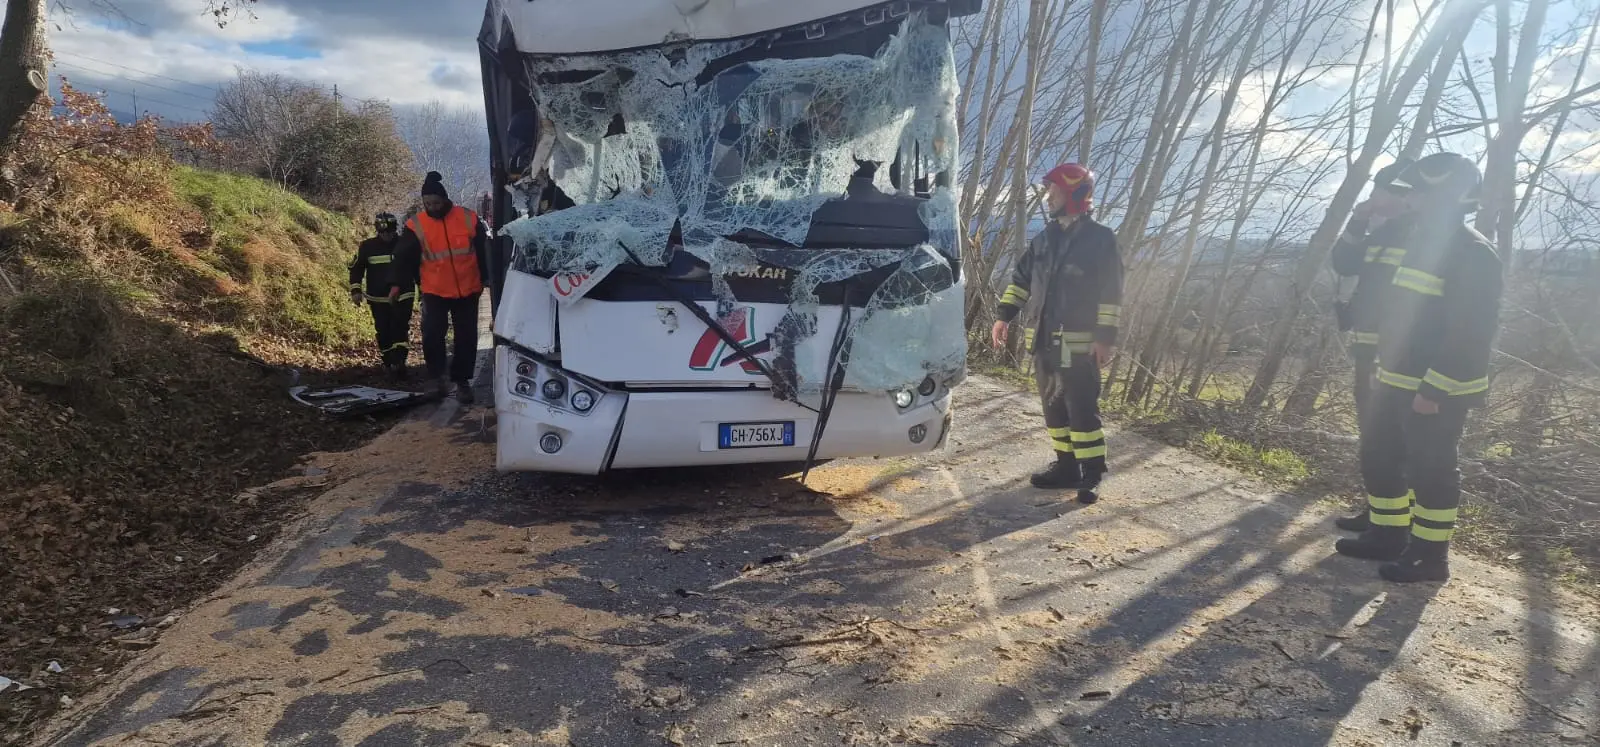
172 56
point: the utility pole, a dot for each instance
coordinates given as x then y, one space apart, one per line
338 108
135 94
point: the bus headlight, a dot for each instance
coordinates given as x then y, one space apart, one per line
523 388
927 387
554 389
904 398
582 400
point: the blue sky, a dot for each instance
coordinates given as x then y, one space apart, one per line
170 57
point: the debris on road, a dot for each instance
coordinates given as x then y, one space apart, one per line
7 682
355 401
54 667
524 591
675 546
125 622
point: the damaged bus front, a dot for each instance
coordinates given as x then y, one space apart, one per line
729 232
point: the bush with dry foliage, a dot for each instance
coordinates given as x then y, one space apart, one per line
346 158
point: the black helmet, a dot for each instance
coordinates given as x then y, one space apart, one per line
1443 178
386 222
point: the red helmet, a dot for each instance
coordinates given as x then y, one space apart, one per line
1077 182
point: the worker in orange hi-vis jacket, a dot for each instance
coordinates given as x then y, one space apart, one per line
445 249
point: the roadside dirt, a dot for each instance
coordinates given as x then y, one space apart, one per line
930 601
94 561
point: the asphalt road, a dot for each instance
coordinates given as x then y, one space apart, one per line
427 600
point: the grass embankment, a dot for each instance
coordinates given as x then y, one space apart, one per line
127 424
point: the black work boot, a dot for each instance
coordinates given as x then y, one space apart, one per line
464 393
1358 523
1423 561
1063 474
1377 543
1088 489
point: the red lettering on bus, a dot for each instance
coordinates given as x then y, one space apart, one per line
573 283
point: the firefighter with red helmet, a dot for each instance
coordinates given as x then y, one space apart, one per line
1067 288
1436 325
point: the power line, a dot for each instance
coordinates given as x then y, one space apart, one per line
213 89
163 102
146 84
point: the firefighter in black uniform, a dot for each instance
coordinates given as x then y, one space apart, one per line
1436 328
1369 250
1073 273
373 276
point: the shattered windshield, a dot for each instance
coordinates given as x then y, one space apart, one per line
738 151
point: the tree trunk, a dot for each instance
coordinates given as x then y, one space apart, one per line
1432 95
1150 358
1302 401
24 69
1496 216
1020 178
1133 222
1097 14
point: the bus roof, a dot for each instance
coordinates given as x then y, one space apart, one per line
551 27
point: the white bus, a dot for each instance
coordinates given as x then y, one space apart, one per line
728 230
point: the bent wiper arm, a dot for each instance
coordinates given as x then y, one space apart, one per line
741 351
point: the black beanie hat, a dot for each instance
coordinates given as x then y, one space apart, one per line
434 185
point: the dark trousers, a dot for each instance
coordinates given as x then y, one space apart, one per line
460 315
1366 367
1409 464
1071 398
392 322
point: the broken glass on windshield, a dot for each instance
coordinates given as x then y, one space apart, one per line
727 153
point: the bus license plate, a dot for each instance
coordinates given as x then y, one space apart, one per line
754 435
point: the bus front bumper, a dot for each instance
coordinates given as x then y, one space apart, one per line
541 429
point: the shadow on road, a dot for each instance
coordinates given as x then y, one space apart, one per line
733 606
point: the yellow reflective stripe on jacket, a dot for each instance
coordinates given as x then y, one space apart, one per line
1075 336
412 296
1453 387
1386 255
1399 381
1363 338
1027 339
1425 283
1015 295
1110 314
380 259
